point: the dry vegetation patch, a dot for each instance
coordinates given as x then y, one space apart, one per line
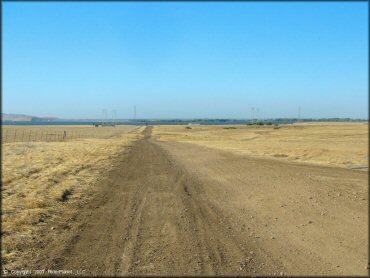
338 144
41 178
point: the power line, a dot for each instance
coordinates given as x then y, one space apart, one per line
104 116
252 114
113 116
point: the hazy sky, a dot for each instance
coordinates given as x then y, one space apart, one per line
192 59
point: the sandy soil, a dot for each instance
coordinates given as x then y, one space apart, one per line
171 208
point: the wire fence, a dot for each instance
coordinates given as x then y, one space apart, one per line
11 136
59 134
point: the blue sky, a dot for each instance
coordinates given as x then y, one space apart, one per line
186 60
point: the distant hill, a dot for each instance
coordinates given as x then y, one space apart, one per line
24 118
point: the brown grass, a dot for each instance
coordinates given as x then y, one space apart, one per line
39 178
337 144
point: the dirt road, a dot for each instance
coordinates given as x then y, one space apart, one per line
181 209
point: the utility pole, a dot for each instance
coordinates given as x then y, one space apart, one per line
252 115
104 112
299 114
113 116
134 112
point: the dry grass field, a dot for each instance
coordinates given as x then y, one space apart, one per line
176 203
330 144
39 178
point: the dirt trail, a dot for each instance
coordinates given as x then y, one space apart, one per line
178 209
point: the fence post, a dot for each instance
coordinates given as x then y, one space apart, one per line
29 136
15 135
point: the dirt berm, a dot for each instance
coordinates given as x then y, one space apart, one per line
180 209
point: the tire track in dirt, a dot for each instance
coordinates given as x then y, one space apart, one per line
296 219
150 216
132 237
183 230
